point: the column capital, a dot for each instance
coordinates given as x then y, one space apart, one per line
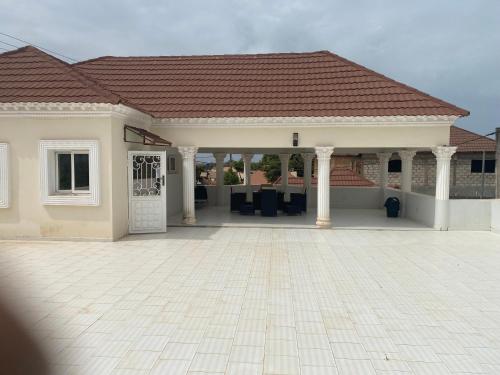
384 156
247 158
407 154
307 156
443 152
324 152
188 152
284 157
219 156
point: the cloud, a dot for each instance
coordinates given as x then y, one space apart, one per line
448 48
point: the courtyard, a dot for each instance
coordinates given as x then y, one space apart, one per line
262 301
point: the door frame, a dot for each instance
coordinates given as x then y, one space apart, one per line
162 200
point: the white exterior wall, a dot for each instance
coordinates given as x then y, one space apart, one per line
470 214
354 136
495 215
27 217
420 208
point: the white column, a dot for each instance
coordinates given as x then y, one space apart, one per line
219 176
324 154
406 176
247 164
284 158
188 173
383 173
441 211
406 169
307 157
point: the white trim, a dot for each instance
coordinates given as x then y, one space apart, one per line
49 196
4 175
69 110
295 122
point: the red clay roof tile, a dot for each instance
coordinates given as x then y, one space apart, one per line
30 75
467 141
338 177
281 84
285 84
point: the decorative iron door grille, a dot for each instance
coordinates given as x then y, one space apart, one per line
147 191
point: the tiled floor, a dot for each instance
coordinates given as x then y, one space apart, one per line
263 301
341 219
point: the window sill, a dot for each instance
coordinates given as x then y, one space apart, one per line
70 199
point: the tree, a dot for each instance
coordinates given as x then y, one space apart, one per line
231 178
239 165
296 164
271 166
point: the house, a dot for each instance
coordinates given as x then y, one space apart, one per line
106 147
467 179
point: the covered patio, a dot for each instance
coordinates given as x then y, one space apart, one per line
349 207
344 218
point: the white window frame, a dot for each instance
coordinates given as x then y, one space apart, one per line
72 190
48 173
4 176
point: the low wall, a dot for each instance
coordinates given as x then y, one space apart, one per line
420 208
470 214
495 215
340 197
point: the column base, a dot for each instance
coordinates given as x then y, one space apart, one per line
189 220
323 223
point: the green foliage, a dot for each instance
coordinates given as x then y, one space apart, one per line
239 165
231 178
296 163
255 166
271 166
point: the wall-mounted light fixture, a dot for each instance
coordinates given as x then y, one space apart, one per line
295 139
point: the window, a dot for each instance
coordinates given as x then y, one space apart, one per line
72 172
69 172
476 166
4 175
394 165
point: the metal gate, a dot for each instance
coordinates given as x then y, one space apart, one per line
147 191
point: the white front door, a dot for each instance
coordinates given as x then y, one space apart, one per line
147 191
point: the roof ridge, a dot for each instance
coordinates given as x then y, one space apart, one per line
444 103
80 76
215 56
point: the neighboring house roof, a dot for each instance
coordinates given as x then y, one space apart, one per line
467 141
258 177
263 85
30 75
338 177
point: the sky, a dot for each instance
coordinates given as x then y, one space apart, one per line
447 48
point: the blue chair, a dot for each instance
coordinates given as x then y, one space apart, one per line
236 200
269 203
256 199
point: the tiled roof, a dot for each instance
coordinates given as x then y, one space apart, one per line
30 75
467 141
258 177
263 85
338 177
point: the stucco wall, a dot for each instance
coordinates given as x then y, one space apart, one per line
420 208
27 217
495 215
355 136
470 214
